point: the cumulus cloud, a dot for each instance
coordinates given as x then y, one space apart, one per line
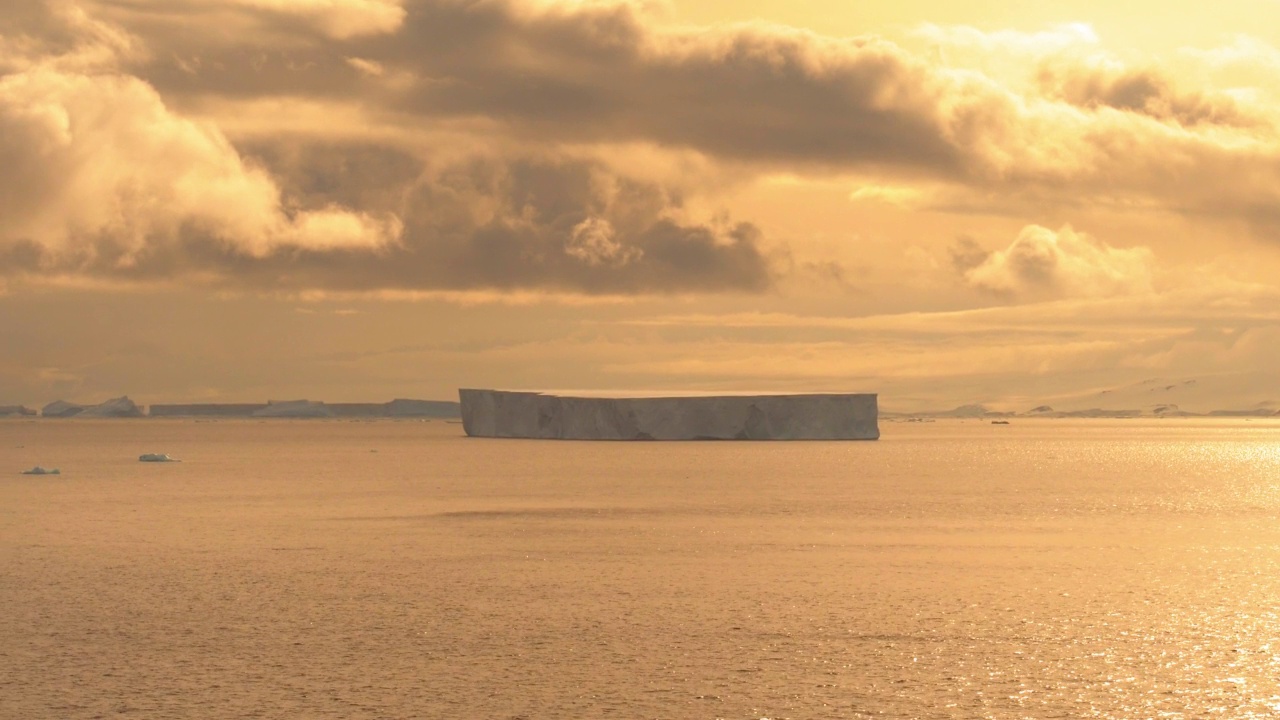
507 222
597 72
1084 129
99 172
593 241
104 181
1105 83
558 223
514 79
527 149
511 224
1041 262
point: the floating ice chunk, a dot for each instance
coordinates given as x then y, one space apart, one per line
155 457
37 470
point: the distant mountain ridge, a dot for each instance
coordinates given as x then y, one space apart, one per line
123 407
1045 411
1222 395
1226 395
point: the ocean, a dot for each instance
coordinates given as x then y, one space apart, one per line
397 569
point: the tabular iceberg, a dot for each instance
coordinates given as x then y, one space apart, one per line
511 414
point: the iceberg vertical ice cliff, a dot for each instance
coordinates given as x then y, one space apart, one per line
510 414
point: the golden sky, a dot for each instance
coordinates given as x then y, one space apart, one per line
945 202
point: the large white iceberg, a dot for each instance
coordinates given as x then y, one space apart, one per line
499 413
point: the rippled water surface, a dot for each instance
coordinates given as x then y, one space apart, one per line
322 569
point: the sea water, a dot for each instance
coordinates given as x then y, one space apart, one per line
394 569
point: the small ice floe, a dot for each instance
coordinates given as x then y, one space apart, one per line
156 457
37 470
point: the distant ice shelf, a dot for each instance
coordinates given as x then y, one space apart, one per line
516 414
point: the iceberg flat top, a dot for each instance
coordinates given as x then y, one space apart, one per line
546 415
672 394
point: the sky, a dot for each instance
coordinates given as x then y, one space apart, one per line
972 201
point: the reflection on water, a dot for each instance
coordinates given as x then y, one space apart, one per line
1045 569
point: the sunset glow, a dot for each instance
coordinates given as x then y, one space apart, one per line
994 202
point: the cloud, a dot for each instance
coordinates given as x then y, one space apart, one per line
487 91
590 72
1245 53
339 19
367 67
1082 129
1041 262
594 242
186 205
1102 83
967 254
901 196
99 173
577 164
556 223
62 34
105 182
